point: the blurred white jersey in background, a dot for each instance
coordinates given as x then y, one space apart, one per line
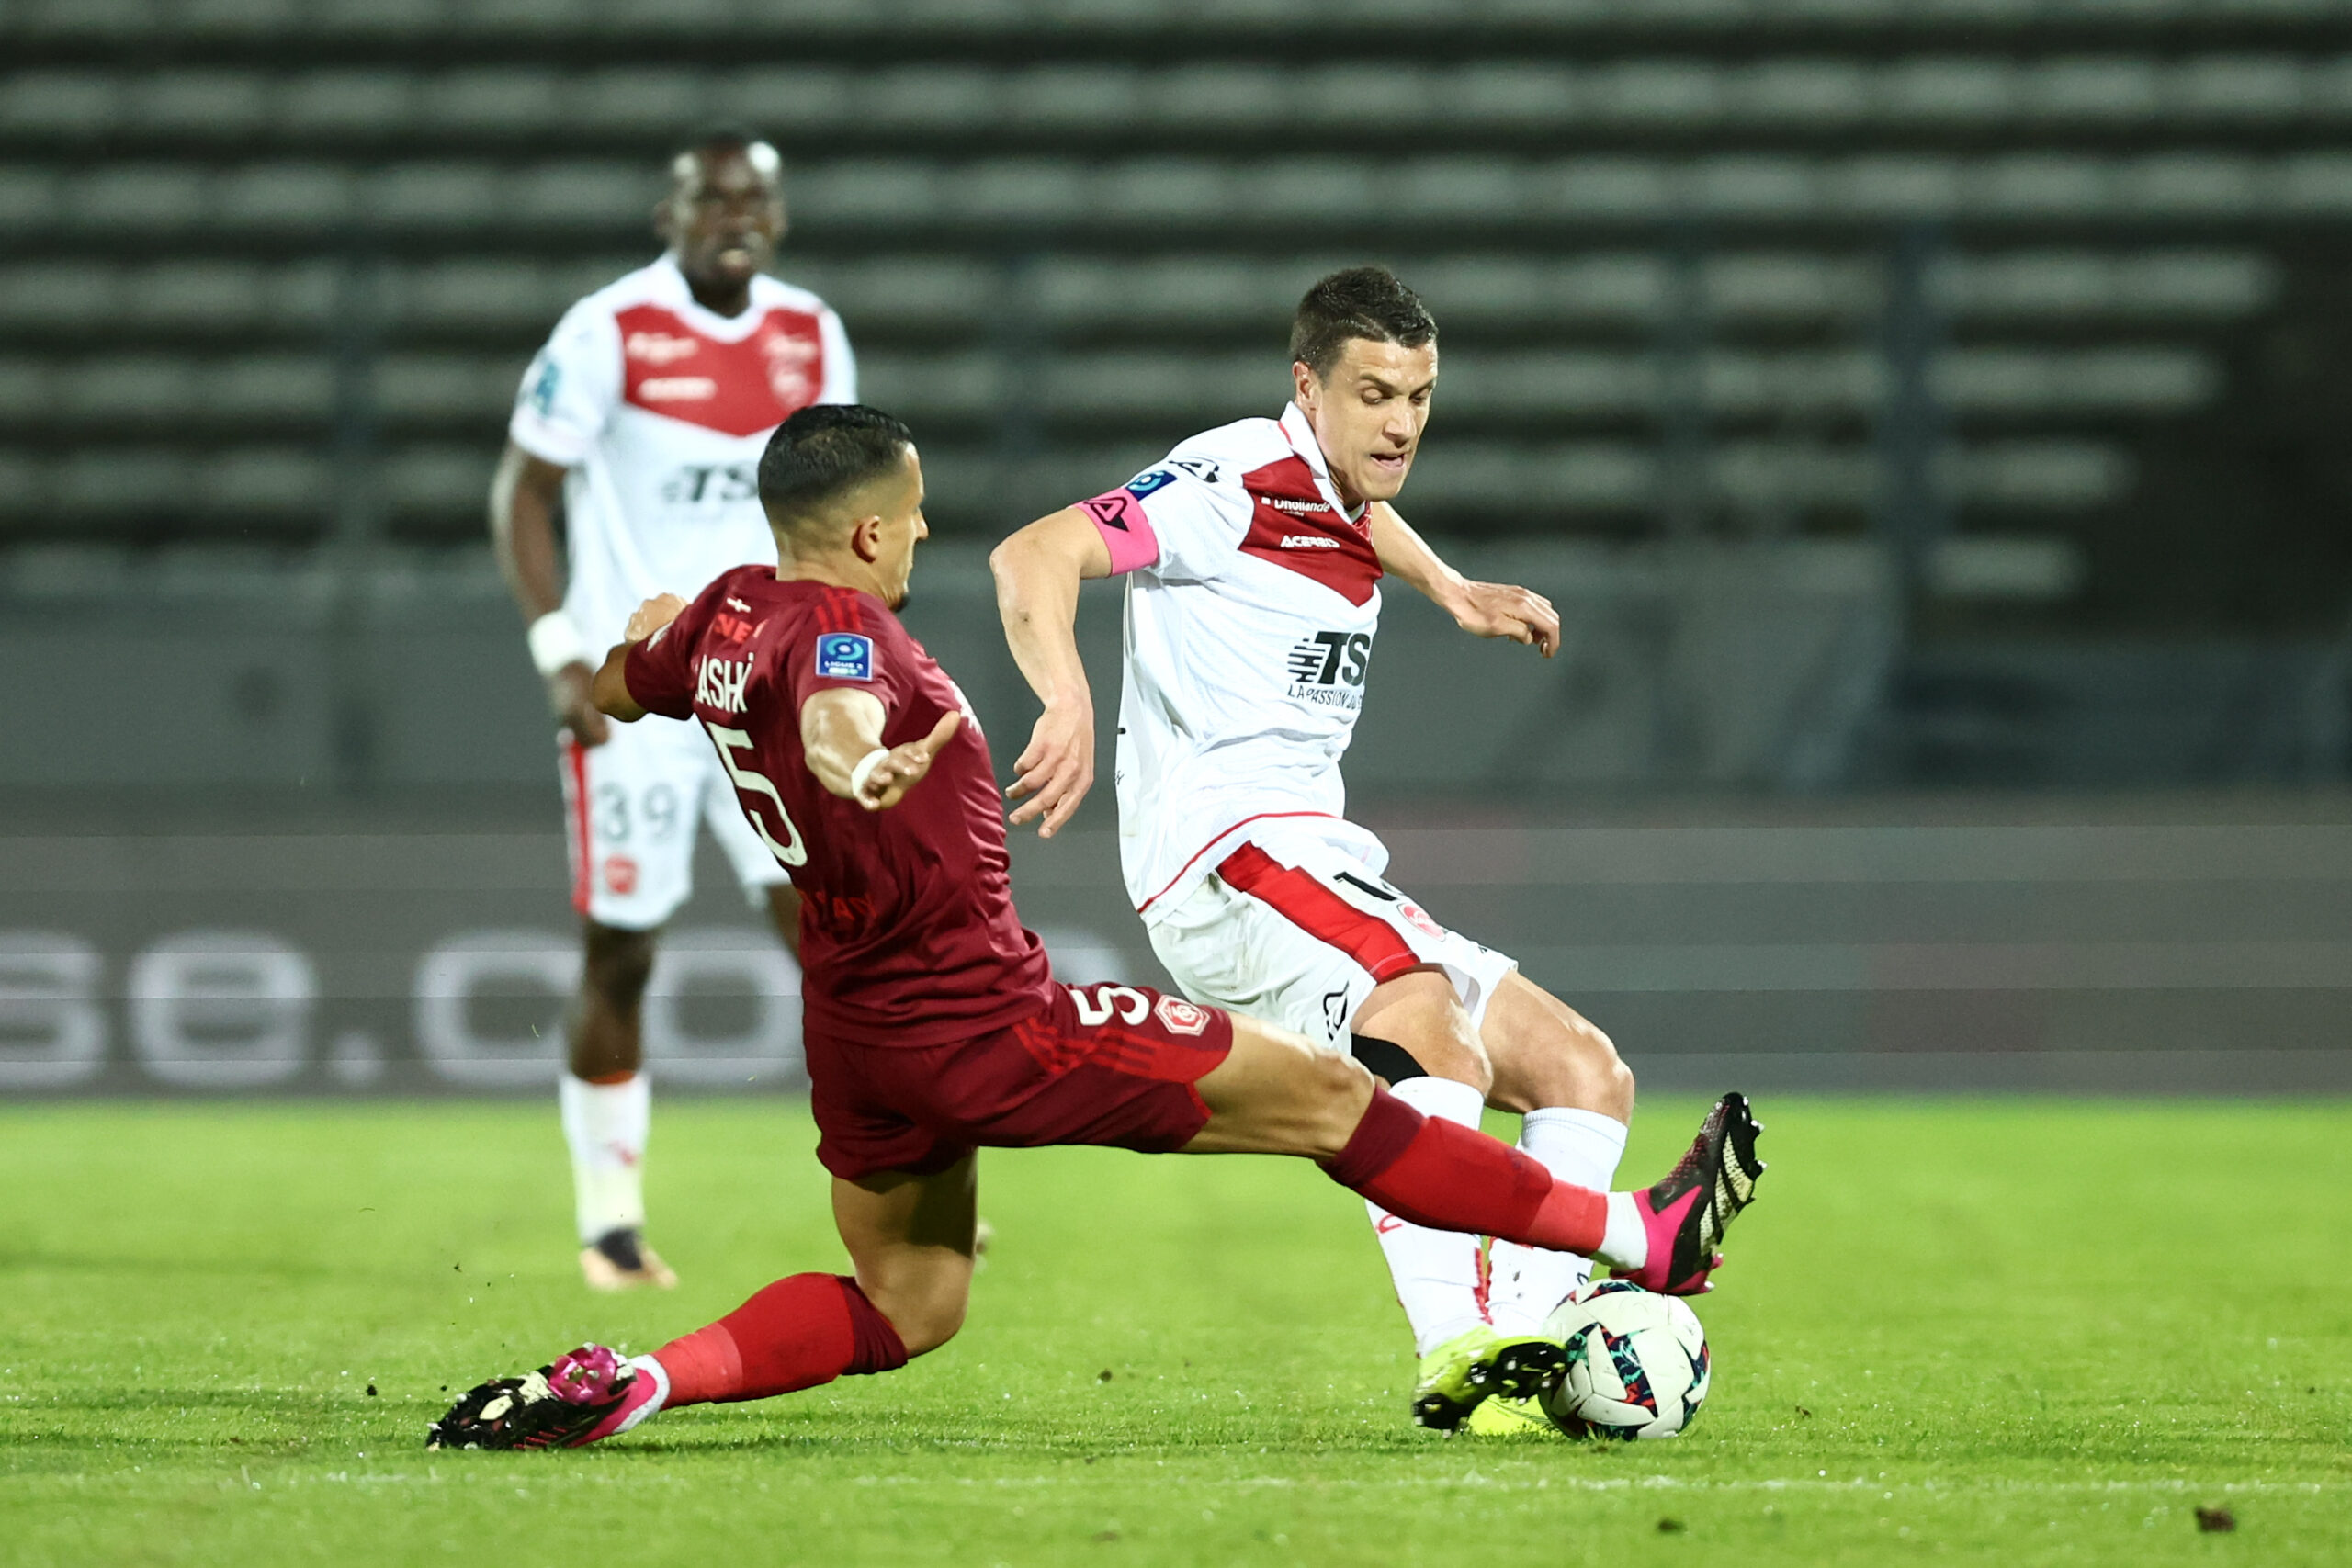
660 410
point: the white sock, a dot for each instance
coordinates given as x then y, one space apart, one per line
1624 1240
605 1125
660 1376
1579 1147
1437 1273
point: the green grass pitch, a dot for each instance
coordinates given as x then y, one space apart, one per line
2023 1332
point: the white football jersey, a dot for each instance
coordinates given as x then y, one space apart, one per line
660 410
1252 596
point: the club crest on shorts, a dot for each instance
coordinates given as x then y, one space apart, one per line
845 656
1180 1017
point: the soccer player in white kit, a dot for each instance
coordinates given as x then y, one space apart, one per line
642 421
1253 555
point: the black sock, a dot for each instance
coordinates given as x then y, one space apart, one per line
1387 1060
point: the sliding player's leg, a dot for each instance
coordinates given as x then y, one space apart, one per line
1278 1093
910 1239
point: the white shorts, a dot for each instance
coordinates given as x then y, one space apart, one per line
1296 930
630 809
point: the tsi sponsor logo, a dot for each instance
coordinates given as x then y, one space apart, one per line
1329 669
1331 658
1308 541
698 482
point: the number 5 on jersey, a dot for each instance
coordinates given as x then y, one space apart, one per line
792 851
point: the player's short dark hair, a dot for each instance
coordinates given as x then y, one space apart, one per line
1359 302
822 454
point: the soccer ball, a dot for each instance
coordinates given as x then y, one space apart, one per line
1637 1363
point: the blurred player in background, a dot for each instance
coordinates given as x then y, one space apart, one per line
934 1027
642 421
1254 553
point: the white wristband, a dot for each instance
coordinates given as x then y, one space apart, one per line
556 643
865 770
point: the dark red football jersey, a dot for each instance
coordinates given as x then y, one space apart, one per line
908 934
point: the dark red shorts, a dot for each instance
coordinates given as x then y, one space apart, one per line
1109 1064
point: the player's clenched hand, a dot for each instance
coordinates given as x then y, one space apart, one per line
903 768
651 617
1057 769
569 695
1497 609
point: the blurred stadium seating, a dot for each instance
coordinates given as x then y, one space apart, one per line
2043 296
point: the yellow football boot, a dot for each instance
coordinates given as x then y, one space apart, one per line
1479 1364
1523 1418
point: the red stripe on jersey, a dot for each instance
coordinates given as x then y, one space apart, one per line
821 614
737 389
575 789
1298 898
1293 526
840 611
1191 859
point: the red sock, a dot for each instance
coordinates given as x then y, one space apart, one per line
1428 1171
795 1334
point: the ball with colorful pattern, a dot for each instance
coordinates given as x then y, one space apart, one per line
1637 1363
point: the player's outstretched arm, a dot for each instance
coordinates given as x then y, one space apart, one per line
1482 609
1037 573
523 496
841 731
609 689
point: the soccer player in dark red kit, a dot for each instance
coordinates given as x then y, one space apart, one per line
933 1027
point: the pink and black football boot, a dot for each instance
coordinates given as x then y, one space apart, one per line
585 1395
1687 1214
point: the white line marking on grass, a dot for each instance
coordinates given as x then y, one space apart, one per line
1938 1486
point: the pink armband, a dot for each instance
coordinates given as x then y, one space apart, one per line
1119 518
